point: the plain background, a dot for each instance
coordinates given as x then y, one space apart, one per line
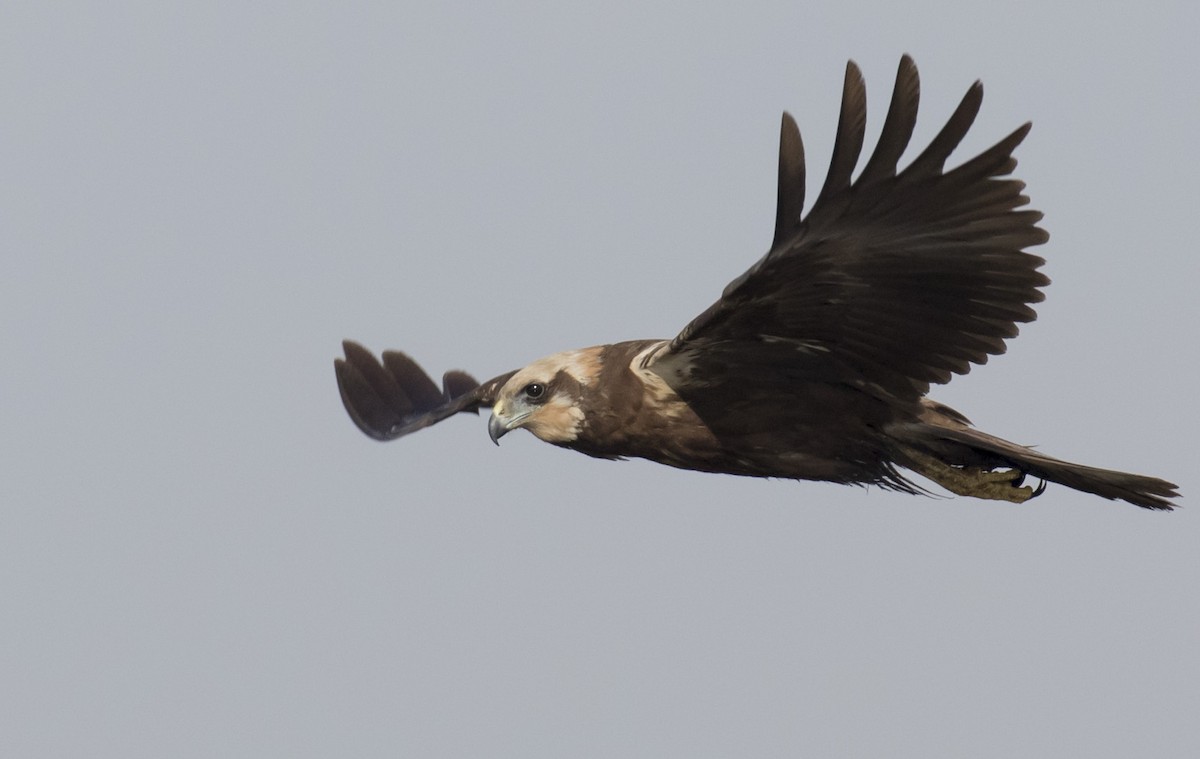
200 555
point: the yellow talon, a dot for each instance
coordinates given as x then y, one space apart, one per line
998 485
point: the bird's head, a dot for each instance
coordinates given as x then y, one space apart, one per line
544 397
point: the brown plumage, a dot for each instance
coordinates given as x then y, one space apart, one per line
814 363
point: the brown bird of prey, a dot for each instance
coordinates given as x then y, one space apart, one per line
814 363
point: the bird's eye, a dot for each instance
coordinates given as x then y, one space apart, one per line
534 391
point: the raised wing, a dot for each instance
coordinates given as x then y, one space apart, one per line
893 281
394 397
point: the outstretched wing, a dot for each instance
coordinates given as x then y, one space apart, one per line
394 397
893 281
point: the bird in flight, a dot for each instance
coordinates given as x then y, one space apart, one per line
813 364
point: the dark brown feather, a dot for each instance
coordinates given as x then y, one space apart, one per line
848 142
789 206
904 277
396 397
972 448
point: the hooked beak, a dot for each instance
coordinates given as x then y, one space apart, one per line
503 423
497 428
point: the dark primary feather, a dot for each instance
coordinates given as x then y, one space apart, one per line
390 399
892 282
789 208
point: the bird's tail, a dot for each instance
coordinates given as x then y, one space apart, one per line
954 454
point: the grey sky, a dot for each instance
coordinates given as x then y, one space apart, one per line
200 555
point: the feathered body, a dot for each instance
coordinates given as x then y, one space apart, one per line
814 364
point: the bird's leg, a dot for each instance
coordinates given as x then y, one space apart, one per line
1002 485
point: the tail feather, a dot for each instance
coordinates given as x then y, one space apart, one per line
964 446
